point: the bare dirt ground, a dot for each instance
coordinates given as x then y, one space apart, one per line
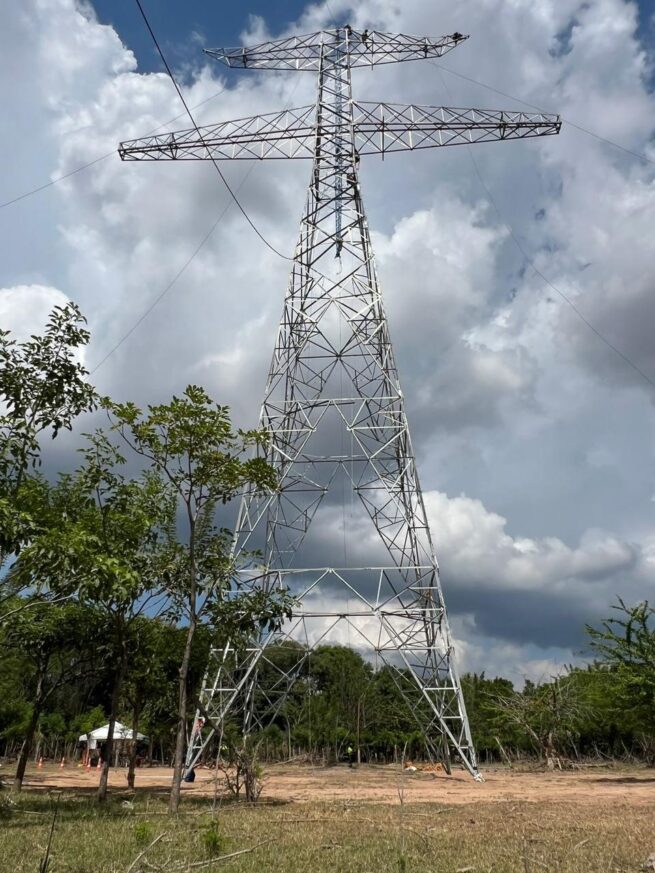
381 784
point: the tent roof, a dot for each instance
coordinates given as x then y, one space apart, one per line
120 733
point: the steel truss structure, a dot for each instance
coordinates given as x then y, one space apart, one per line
333 403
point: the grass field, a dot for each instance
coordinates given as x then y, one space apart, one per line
593 833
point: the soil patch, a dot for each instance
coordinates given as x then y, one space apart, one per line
380 784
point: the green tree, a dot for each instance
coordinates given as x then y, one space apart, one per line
391 722
343 678
100 542
43 388
143 677
54 641
480 694
160 707
155 650
625 644
548 715
191 442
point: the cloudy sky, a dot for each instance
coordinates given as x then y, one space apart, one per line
534 438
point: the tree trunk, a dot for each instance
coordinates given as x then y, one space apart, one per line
180 740
106 764
31 730
446 754
503 753
25 748
113 715
550 753
359 754
135 730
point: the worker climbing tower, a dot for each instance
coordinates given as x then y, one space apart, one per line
346 530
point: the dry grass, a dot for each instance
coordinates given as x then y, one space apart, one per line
411 838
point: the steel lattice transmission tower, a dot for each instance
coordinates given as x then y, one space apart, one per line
333 403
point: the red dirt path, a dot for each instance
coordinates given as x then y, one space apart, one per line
381 784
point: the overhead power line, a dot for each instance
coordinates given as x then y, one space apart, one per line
97 160
186 264
54 181
517 242
188 111
45 185
639 155
197 129
565 298
173 281
168 287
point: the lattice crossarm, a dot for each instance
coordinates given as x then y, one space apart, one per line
379 128
391 127
357 48
286 134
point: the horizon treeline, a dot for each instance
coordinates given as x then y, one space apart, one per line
114 585
339 700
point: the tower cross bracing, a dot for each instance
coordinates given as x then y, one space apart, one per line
333 404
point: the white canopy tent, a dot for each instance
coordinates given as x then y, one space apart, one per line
99 735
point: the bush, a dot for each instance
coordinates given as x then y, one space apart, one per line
213 841
143 833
